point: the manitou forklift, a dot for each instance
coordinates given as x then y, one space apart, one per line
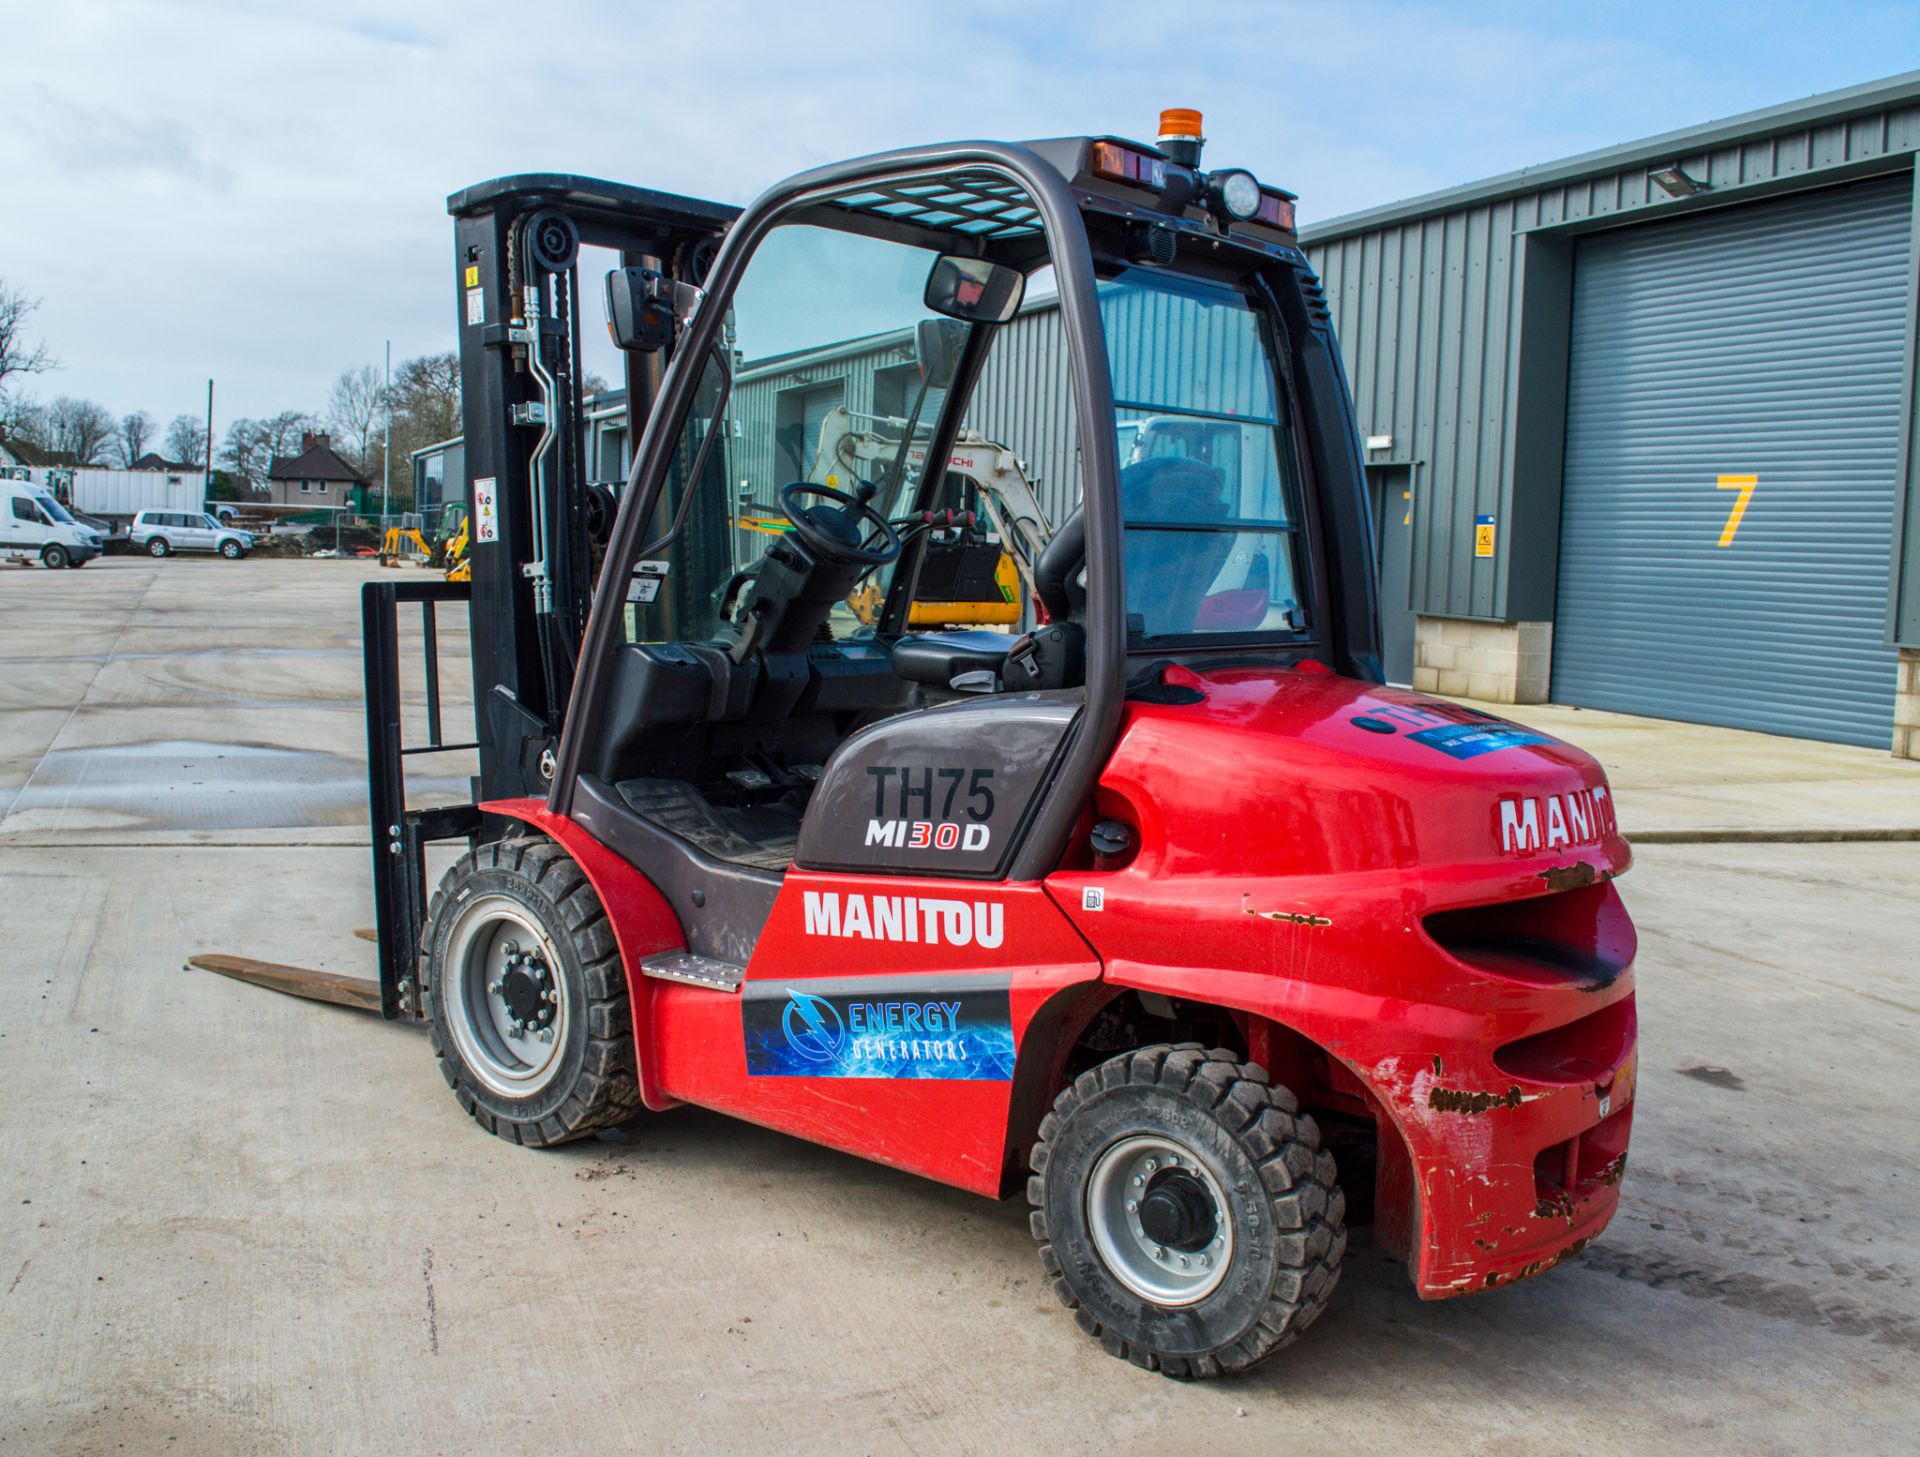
1156 906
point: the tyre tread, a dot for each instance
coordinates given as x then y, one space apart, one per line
1285 1148
607 1092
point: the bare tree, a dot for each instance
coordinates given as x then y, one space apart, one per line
79 428
23 418
426 409
286 430
245 452
186 442
354 410
17 356
252 446
136 433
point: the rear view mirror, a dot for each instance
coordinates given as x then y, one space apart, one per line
974 290
937 344
643 306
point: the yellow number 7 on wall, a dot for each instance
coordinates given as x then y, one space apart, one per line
1744 485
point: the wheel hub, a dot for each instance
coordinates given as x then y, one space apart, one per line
1159 1219
506 1010
526 990
1178 1211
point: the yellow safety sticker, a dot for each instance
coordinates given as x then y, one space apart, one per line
473 275
1483 536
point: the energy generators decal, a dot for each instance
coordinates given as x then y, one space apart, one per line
870 1027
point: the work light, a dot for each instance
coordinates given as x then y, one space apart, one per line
1234 194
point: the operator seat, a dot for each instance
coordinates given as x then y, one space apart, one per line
1168 572
937 658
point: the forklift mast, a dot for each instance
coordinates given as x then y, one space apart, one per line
537 523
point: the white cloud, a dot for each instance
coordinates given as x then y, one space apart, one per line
256 191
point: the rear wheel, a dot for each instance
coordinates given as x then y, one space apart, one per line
1186 1212
527 997
158 547
56 556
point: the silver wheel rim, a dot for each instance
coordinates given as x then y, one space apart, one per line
492 937
1165 1274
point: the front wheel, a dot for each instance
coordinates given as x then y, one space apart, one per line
230 550
527 998
158 547
1185 1210
56 556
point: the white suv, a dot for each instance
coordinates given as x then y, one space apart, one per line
161 533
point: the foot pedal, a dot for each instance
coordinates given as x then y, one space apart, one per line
700 971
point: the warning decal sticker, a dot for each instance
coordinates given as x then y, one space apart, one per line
486 515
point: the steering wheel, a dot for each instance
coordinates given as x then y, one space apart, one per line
834 534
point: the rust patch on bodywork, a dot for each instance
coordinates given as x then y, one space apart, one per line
1538 1267
1560 1206
1577 876
1459 1100
1291 918
1614 1172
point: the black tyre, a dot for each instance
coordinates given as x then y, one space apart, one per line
527 998
231 550
158 546
1185 1210
57 556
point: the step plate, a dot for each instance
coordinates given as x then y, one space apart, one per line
700 971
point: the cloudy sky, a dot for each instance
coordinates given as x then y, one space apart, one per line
256 191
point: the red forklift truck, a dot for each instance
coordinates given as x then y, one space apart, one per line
1163 912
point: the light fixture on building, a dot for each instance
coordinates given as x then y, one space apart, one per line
1674 181
1379 442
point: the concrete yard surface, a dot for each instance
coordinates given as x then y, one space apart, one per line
233 1222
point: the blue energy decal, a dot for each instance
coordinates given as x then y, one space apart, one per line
1470 740
1452 729
868 1027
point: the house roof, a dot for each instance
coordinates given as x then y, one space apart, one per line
29 454
315 463
154 460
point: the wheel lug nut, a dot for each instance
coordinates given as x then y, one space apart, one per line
1204 1262
546 1034
1183 1262
1133 1205
1138 1181
496 986
1159 1253
1152 1164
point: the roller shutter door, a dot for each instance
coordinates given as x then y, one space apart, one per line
1763 341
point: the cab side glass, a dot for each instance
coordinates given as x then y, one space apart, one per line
1208 482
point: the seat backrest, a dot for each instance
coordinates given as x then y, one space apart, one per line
1058 565
1168 573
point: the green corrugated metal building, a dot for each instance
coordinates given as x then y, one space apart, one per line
1640 424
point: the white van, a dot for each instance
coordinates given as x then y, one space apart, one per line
159 533
33 524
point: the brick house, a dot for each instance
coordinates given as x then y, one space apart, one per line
315 478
